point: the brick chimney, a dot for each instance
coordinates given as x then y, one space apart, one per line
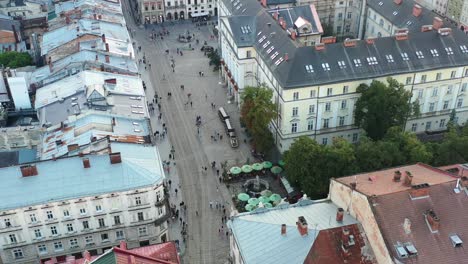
444 31
353 186
72 147
408 179
28 170
401 36
350 42
426 28
103 37
86 163
417 10
339 215
286 57
282 22
283 229
67 20
275 15
293 34
107 47
464 181
302 226
107 57
319 46
433 221
437 23
397 176
263 2
123 245
115 158
419 191
328 40
398 2
87 255
370 41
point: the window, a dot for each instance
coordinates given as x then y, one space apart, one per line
142 230
160 209
293 127
453 74
460 102
343 104
249 54
357 62
350 14
338 29
355 137
463 49
381 22
85 225
89 240
428 125
408 80
438 76
404 56
326 122
98 208
466 72
345 89
442 123
341 121
309 68
117 219
42 249
329 91
38 233
140 216
414 127
420 94
463 87
431 107
119 234
449 51
311 109
324 141
50 215
18 253
312 94
342 64
296 96
101 222
434 53
419 54
7 222
326 66
70 227
73 243
33 218
445 107
146 8
138 200
310 125
423 78
83 211
435 91
53 230
340 16
449 89
372 61
327 106
66 213
390 58
13 239
105 237
58 246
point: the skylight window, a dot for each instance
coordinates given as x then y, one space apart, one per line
326 66
463 49
389 58
372 61
404 56
309 68
357 62
419 54
456 241
261 39
409 23
434 53
342 64
274 55
280 60
395 13
266 44
258 34
411 249
380 3
449 51
270 49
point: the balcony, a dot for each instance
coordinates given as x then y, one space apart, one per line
162 219
161 202
174 7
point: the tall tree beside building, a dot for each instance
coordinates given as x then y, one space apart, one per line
382 106
257 111
14 59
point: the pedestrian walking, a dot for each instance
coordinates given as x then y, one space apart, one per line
211 205
217 172
176 192
191 105
196 212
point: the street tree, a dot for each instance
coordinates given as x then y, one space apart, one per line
382 106
453 148
15 59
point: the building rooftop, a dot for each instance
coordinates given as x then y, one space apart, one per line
106 7
279 2
382 182
414 234
140 167
258 233
458 170
15 157
299 16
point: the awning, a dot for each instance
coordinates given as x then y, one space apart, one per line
200 14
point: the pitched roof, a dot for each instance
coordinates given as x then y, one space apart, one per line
381 182
392 209
456 169
297 16
258 233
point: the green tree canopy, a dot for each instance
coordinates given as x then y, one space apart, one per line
453 149
383 106
15 59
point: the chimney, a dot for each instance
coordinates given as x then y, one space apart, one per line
107 57
95 16
28 170
437 23
286 57
282 22
263 2
123 245
464 181
283 229
339 214
408 179
100 17
87 256
433 221
67 20
293 34
319 46
113 121
398 2
86 163
115 158
80 154
370 41
350 42
353 186
103 37
426 28
417 10
419 191
401 36
72 147
345 236
328 40
111 81
397 176
302 226
444 31
13 28
407 226
107 47
275 15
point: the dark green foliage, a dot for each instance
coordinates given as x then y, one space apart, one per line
15 59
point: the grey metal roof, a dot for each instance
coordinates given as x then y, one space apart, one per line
243 29
280 2
402 15
6 24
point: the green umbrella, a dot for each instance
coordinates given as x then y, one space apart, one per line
235 170
267 205
267 164
246 168
243 197
266 193
263 200
276 169
257 166
281 163
253 201
249 207
275 197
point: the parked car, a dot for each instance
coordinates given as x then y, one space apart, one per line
207 48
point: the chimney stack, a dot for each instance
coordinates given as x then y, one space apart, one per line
286 57
103 37
464 181
67 20
283 229
397 176
433 220
437 23
353 186
444 31
28 170
417 10
408 179
339 214
275 15
350 42
293 34
107 47
282 22
115 158
398 2
13 28
407 226
86 163
370 41
263 2
328 40
319 46
107 58
123 245
426 28
302 226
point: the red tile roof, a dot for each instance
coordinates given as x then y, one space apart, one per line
392 210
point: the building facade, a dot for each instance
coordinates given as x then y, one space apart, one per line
175 9
151 11
201 8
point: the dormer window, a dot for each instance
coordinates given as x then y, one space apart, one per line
434 53
325 66
389 58
342 64
357 62
404 56
419 54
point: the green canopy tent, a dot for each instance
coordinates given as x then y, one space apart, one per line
267 205
253 201
275 197
281 163
266 193
257 166
249 207
247 169
243 197
263 199
267 164
276 169
235 170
